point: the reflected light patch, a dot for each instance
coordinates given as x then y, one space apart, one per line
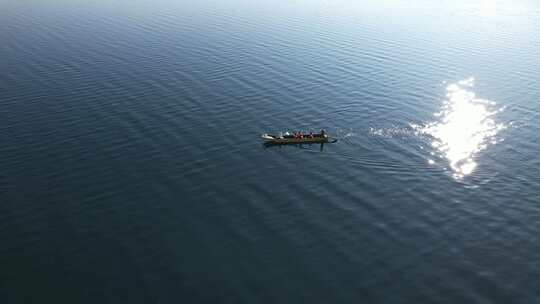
465 126
487 8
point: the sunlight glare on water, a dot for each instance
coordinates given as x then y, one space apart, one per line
466 125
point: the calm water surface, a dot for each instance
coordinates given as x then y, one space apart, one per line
131 168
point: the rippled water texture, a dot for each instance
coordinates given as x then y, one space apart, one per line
132 168
465 126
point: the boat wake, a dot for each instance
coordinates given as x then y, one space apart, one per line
344 135
392 132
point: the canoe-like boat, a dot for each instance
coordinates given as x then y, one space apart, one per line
281 139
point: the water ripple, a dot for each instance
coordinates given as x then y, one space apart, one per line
465 126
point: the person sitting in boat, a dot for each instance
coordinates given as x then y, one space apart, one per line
310 134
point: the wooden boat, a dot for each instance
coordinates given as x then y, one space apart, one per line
281 139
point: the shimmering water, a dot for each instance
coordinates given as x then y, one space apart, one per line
132 170
464 127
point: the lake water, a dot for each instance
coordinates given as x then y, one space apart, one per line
132 169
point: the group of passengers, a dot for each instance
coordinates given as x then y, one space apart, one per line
300 135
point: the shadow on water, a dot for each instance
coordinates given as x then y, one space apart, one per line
267 145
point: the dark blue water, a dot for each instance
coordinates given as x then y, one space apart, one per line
131 168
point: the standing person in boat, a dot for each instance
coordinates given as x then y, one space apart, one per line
322 133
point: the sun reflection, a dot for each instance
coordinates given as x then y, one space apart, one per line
464 126
487 8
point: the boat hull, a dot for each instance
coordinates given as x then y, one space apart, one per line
270 139
284 141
